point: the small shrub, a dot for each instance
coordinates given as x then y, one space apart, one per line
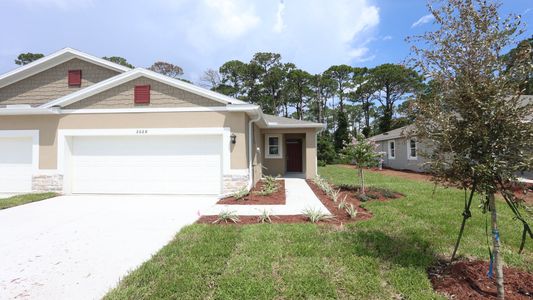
227 216
321 163
363 198
243 192
351 211
316 215
372 196
270 186
264 217
342 204
334 195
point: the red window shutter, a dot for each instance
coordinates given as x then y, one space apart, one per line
74 77
142 94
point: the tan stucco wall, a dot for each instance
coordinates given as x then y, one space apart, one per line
161 95
49 124
52 83
274 167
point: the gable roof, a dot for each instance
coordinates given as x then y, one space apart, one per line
53 60
134 74
281 122
401 132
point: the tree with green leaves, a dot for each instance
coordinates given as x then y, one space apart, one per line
167 69
479 127
233 75
364 92
26 58
298 90
364 155
510 57
323 89
341 136
325 150
393 82
119 60
342 75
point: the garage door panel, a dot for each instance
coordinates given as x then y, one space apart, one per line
16 167
147 165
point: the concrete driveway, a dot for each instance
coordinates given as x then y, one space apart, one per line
78 247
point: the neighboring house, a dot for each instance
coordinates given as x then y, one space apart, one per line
401 150
74 123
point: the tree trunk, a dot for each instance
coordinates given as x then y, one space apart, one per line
362 181
498 263
466 215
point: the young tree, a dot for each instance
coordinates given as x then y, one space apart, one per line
119 60
167 69
364 155
26 58
475 120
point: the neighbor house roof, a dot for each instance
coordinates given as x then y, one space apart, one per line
134 74
53 60
281 122
393 134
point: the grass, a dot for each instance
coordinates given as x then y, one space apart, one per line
383 258
24 199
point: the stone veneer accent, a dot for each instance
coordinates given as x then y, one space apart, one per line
233 183
47 183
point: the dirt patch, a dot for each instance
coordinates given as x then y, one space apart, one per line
276 198
398 173
469 280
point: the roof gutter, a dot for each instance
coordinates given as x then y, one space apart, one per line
28 111
250 144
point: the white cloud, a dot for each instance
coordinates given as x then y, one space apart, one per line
232 18
387 38
278 27
423 20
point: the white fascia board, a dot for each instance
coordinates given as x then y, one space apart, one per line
53 60
27 111
275 125
134 74
234 108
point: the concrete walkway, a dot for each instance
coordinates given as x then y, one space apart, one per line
299 197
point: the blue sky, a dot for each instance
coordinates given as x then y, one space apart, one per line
202 34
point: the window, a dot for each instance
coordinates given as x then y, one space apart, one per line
392 150
411 149
273 146
74 78
142 94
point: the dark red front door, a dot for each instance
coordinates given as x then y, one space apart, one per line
294 156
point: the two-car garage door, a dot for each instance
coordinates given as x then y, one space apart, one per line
181 164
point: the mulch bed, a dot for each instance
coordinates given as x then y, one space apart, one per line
468 280
277 198
341 216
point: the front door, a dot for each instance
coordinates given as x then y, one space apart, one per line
294 156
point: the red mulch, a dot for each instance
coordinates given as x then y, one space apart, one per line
341 216
253 199
468 280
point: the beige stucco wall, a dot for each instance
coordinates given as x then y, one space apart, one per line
52 83
277 166
161 95
49 124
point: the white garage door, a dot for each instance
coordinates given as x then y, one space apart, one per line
15 164
185 164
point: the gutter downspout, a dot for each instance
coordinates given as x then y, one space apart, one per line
250 144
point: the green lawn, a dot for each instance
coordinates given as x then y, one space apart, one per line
24 199
381 258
